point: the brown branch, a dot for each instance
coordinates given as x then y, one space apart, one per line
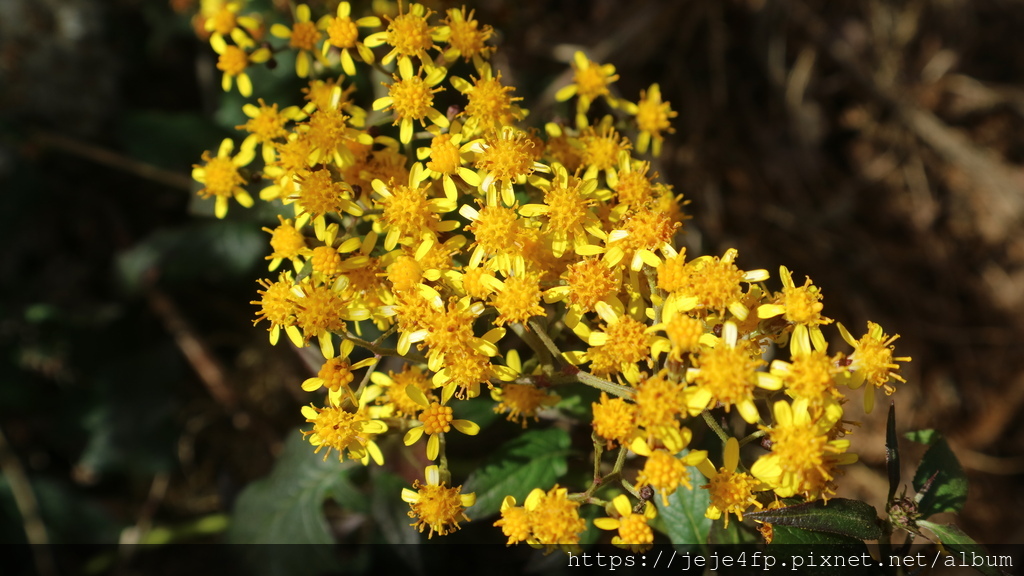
198 355
28 507
112 159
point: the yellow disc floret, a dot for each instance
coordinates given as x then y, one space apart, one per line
614 419
436 419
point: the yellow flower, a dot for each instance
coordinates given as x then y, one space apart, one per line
872 361
728 373
507 156
634 534
278 307
811 377
221 178
549 519
408 212
622 344
287 242
518 297
587 282
466 38
319 193
336 374
614 420
411 97
602 150
436 506
342 430
730 491
640 232
568 208
435 420
409 34
803 459
800 305
393 394
666 473
331 137
343 34
590 80
652 118
302 36
715 283
521 401
447 158
266 125
225 21
322 312
491 104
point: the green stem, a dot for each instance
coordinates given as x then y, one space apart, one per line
442 458
604 385
366 377
534 342
620 460
598 452
542 335
631 489
714 426
752 437
382 351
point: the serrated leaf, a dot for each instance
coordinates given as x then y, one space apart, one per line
787 535
948 489
535 459
955 540
841 516
683 519
287 508
892 453
791 545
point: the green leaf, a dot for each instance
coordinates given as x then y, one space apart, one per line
735 533
478 410
965 549
535 459
683 519
892 453
786 535
948 489
797 549
841 516
390 512
183 137
922 436
212 249
287 508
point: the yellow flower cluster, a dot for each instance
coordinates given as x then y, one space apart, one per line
465 231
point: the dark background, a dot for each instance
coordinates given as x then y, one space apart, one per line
874 146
